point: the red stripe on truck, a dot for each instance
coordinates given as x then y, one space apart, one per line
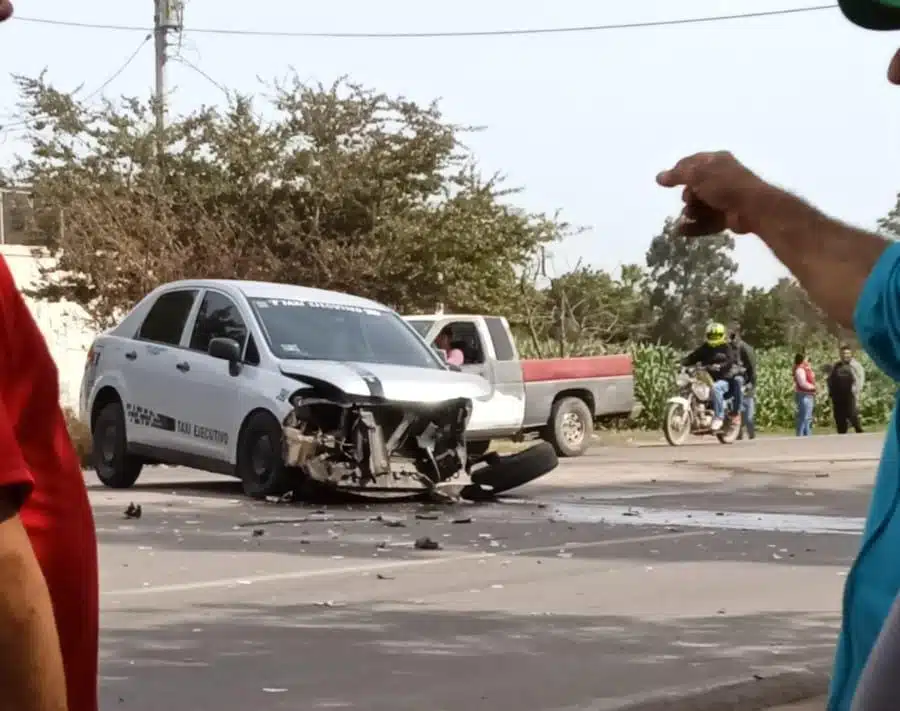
609 366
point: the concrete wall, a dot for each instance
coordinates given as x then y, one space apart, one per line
64 325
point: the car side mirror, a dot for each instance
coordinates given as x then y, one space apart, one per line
226 349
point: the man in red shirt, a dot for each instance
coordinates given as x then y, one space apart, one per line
48 550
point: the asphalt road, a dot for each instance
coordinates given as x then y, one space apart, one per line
628 571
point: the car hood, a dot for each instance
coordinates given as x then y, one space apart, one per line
399 383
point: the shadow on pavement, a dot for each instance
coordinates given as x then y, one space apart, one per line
241 657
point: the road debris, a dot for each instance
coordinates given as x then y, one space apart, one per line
389 521
465 519
426 544
133 511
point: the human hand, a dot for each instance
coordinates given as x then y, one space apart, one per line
719 193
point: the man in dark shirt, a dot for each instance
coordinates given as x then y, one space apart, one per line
747 361
718 357
842 389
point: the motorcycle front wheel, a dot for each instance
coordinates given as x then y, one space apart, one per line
676 423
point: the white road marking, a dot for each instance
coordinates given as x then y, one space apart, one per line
731 520
386 565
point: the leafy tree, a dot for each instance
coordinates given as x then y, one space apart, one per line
344 189
764 321
691 281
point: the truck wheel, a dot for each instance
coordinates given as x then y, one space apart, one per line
260 463
501 473
109 449
571 427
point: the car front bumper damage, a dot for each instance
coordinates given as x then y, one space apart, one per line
371 446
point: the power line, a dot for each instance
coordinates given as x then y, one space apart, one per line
109 80
427 35
181 59
116 74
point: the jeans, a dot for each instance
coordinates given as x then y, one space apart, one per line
720 387
734 387
805 402
750 415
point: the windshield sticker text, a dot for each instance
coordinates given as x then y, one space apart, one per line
303 303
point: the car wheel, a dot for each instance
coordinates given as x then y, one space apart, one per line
109 449
501 473
260 463
571 427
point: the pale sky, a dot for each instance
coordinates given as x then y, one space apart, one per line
582 122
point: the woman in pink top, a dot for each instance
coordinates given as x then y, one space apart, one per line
444 342
804 394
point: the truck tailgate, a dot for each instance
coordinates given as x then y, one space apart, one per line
607 366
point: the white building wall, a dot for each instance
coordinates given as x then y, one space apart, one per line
64 325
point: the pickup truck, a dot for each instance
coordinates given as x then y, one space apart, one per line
557 398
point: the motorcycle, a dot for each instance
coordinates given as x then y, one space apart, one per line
690 412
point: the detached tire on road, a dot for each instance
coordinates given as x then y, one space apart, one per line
478 449
505 472
571 427
109 449
260 462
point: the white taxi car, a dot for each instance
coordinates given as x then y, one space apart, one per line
268 382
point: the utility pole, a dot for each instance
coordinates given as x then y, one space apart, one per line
161 41
167 17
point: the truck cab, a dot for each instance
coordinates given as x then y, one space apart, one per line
558 398
489 350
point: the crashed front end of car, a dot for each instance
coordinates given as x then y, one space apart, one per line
372 445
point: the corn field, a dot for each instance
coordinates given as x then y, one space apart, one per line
656 366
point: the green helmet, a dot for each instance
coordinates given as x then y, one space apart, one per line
872 14
715 334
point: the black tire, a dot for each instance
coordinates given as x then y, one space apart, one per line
730 431
109 449
260 462
478 449
672 438
505 472
571 427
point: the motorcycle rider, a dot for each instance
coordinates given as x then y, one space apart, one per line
719 358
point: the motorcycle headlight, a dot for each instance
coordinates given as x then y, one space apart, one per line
701 391
682 380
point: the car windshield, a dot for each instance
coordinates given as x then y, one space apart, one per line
314 330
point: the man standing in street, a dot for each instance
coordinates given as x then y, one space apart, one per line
843 388
747 359
854 276
49 597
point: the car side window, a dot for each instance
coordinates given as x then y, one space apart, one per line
503 346
464 336
218 317
251 355
165 321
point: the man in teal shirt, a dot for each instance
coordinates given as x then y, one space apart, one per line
854 276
